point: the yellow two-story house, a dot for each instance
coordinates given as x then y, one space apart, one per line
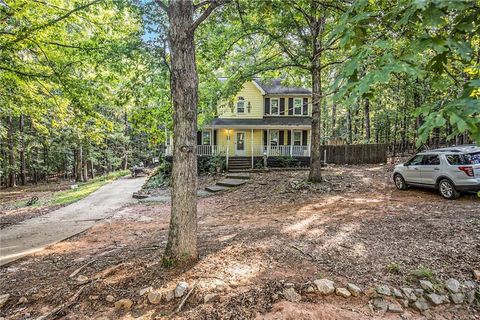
264 119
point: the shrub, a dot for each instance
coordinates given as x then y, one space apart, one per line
212 164
160 177
288 162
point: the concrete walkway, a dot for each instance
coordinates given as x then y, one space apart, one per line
35 234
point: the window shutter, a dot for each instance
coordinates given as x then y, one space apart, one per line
199 137
281 137
264 137
304 137
282 106
289 137
290 106
267 105
214 137
305 106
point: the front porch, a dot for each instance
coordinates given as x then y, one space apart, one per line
257 151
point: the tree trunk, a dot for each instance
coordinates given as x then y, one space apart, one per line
182 236
349 126
12 177
79 165
23 177
334 120
92 170
317 95
366 112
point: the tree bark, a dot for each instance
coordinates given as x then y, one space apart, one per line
316 29
12 176
366 112
182 236
349 126
23 173
334 120
79 165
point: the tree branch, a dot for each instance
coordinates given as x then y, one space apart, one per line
214 4
162 5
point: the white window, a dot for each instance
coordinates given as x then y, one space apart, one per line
297 106
241 105
297 138
206 137
274 106
274 137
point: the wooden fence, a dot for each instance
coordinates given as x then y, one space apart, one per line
355 153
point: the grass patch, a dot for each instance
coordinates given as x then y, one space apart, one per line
86 188
423 273
393 267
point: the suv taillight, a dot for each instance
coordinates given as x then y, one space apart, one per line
468 170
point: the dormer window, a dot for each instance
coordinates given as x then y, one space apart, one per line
241 105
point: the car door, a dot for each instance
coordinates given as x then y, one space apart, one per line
411 172
429 169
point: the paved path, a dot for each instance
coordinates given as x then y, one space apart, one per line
35 234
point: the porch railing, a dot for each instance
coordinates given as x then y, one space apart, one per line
271 151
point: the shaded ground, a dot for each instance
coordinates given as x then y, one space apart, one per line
353 227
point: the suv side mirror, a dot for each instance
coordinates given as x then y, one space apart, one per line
406 164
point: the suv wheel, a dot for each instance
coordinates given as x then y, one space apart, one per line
447 189
400 182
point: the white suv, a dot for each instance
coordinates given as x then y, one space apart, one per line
449 170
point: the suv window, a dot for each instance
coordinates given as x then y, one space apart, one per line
457 159
415 161
431 160
474 157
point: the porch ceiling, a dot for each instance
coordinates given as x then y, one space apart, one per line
266 122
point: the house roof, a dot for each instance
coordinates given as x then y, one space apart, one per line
266 122
275 86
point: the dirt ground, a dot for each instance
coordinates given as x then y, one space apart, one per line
277 228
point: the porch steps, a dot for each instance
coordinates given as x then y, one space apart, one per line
238 175
231 182
216 188
239 163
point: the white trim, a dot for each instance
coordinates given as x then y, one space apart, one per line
259 88
278 107
209 132
244 151
301 107
280 127
301 137
244 105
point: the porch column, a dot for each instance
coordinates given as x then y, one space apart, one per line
251 142
228 146
268 142
291 142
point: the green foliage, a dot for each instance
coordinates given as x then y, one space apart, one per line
288 162
212 164
160 177
393 267
423 273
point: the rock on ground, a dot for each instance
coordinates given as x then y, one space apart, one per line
3 299
457 298
291 295
342 292
421 305
397 293
354 290
211 297
452 285
427 285
144 291
384 290
181 289
123 304
436 299
380 304
395 308
154 297
476 275
170 295
110 298
324 286
409 294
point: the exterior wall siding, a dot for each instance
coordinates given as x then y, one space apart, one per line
252 95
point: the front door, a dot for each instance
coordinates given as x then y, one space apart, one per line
240 143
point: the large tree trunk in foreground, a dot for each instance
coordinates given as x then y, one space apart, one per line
182 237
315 156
